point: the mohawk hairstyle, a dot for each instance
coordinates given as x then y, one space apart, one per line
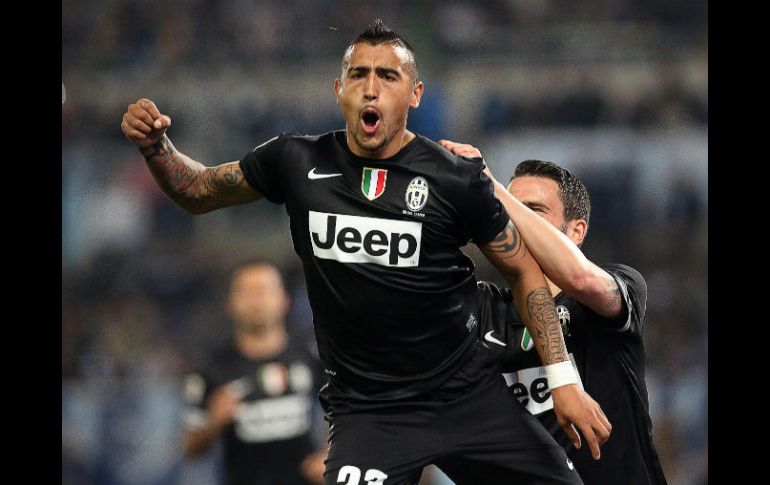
378 33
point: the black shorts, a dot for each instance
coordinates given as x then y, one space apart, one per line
473 428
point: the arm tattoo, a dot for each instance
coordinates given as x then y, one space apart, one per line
160 153
613 295
508 243
187 182
542 312
216 181
169 167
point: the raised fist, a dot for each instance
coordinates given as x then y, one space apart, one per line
143 124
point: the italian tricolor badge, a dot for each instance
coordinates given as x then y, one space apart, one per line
526 340
373 182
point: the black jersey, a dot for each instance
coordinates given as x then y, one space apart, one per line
609 355
272 429
394 299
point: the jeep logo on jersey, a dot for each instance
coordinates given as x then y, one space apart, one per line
373 182
530 386
354 239
417 194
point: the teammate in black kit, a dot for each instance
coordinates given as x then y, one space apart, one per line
256 393
378 216
601 309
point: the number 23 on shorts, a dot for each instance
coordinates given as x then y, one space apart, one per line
351 475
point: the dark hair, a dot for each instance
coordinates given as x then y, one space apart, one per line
574 195
378 33
250 263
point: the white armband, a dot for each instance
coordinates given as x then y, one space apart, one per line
561 374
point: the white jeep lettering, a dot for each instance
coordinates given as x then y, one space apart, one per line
530 386
354 239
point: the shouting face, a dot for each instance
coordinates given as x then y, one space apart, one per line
375 92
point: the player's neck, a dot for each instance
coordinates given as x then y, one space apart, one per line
398 142
268 342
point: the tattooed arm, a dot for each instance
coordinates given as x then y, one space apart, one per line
573 407
531 296
508 253
191 185
559 257
194 187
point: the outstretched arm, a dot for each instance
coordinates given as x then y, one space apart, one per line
190 184
560 259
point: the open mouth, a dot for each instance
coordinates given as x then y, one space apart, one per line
370 120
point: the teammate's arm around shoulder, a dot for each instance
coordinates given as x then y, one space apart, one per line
562 260
190 184
536 306
556 254
574 408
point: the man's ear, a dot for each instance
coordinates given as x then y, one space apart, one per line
337 89
416 95
576 230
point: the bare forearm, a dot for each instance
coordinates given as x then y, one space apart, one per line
193 186
560 259
536 307
531 296
538 311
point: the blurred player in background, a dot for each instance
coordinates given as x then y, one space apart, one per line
601 309
378 216
256 393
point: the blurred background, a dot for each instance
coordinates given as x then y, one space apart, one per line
616 91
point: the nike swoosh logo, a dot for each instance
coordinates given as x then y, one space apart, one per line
489 338
315 176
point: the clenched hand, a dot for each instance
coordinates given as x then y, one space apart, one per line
143 124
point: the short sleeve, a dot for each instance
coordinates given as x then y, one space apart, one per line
633 290
495 309
500 326
484 215
262 168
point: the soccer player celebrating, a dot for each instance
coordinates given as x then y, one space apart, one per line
601 309
378 215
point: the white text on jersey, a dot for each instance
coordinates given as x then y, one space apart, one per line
354 239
